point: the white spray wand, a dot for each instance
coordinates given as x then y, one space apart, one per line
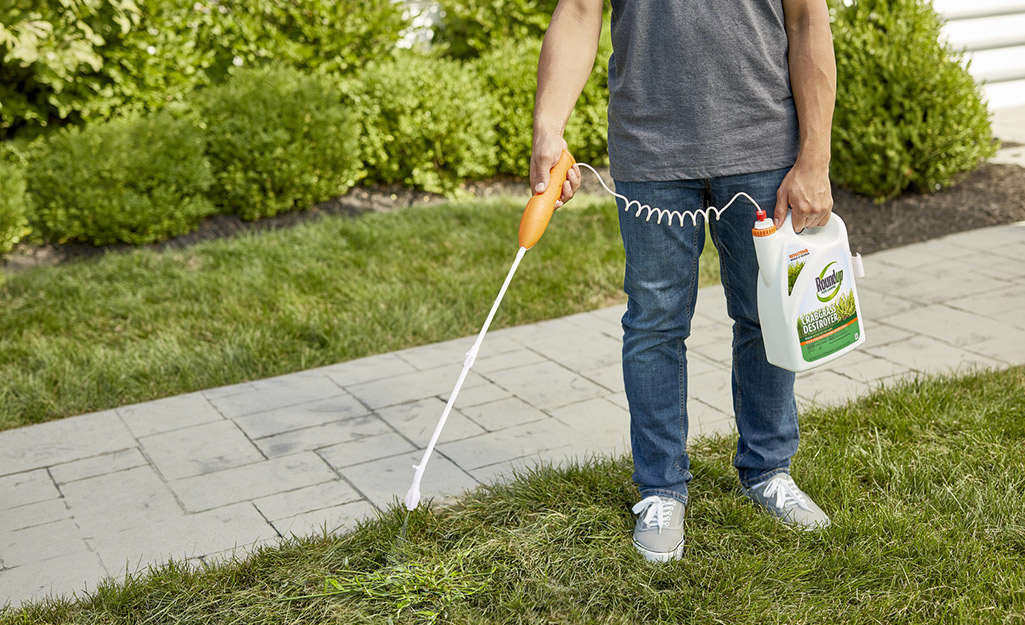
535 219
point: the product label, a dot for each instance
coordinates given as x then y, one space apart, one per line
796 259
827 319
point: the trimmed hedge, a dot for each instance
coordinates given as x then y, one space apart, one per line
277 139
132 180
88 60
424 122
908 115
509 72
14 206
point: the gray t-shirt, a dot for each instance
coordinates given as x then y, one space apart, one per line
698 89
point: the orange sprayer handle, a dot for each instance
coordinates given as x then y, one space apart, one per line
540 207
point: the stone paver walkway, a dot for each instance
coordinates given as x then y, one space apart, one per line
198 476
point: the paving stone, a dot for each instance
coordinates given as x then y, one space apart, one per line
1013 251
499 415
1011 319
866 368
597 325
937 290
507 360
948 324
547 385
715 427
277 475
715 347
514 442
133 549
120 500
408 387
714 388
199 450
57 442
985 239
41 543
992 302
711 303
1008 347
598 425
453 352
279 392
703 419
928 355
100 465
309 499
567 345
171 413
340 407
698 364
612 314
32 515
479 394
227 391
619 399
877 305
65 576
20 489
366 450
916 255
319 437
1002 268
346 374
609 377
385 482
879 334
417 420
332 520
827 388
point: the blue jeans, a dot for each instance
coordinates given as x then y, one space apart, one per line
661 284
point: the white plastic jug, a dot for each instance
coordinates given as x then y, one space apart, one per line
807 301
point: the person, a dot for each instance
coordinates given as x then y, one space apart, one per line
706 99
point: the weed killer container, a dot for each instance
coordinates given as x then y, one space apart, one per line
807 301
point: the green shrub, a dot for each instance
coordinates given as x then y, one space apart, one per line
137 180
471 27
13 201
88 60
908 114
509 73
50 58
425 122
278 140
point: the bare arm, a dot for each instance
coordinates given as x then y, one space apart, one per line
567 57
813 81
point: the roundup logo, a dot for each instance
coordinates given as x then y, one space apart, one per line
826 287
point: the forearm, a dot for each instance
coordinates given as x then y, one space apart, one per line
567 56
812 78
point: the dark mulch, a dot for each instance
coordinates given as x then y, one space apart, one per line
990 196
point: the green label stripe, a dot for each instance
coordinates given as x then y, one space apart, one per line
830 339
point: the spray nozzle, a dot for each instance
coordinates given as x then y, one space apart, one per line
760 214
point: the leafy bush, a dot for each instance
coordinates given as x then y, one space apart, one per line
50 57
13 201
86 60
425 122
278 139
509 72
131 180
908 114
471 27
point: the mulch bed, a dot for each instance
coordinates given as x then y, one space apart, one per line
991 195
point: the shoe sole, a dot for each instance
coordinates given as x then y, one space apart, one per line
659 556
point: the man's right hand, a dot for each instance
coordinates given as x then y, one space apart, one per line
547 151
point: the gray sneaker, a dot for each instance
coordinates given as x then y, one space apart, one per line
783 499
658 534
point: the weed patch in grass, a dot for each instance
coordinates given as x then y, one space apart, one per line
922 481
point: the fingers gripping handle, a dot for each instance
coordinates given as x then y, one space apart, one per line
540 207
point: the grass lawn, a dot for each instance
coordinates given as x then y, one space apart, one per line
923 482
126 328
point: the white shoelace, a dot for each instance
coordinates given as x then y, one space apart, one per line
657 511
782 486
